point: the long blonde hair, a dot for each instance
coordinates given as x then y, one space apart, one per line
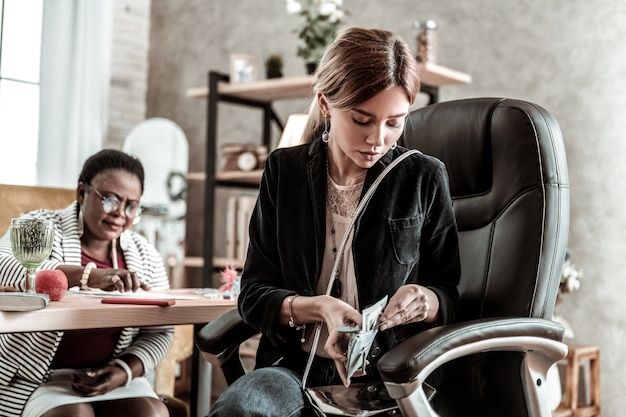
356 66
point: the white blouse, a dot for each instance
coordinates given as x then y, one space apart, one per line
342 201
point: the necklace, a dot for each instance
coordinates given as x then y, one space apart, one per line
333 231
351 181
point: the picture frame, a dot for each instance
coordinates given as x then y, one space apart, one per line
243 68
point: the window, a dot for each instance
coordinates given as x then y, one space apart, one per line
20 47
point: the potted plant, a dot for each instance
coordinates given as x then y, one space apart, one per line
322 19
274 66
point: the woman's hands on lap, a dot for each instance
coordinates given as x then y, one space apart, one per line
98 381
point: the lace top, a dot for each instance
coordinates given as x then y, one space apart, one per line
343 199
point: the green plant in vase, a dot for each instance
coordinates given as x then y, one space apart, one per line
322 19
274 66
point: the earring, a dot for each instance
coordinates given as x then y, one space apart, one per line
325 132
394 146
81 222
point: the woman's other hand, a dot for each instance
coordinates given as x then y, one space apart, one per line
109 279
410 304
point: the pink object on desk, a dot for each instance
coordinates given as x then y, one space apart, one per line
140 301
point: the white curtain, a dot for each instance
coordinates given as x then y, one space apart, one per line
74 85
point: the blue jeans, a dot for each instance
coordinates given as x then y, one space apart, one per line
271 391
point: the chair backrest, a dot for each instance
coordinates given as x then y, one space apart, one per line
508 179
18 199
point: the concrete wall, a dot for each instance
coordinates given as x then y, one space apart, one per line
568 56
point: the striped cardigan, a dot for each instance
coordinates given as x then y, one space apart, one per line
25 357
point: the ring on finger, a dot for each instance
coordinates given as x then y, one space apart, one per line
115 279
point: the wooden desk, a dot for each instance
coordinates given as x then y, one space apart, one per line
77 311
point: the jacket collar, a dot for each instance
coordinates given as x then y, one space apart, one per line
316 169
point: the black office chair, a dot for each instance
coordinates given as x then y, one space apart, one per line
509 183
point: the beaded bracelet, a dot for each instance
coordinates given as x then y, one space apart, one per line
85 277
292 321
126 368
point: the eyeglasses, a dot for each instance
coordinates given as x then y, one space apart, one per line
111 203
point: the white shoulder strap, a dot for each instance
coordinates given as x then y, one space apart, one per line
340 250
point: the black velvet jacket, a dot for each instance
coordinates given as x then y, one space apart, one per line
406 234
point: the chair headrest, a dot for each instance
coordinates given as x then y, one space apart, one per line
491 149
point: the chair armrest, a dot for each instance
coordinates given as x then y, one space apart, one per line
219 343
405 367
417 357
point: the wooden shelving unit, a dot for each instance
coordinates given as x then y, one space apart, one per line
432 75
230 177
265 90
435 75
259 95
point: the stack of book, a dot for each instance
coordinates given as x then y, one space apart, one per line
23 301
238 215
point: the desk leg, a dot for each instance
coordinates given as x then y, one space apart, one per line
204 388
201 382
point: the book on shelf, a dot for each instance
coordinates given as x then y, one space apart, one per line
231 229
23 301
238 212
245 205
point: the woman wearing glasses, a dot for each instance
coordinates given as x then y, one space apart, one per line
90 372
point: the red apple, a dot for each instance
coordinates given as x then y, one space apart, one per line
52 282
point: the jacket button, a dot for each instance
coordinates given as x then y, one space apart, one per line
371 388
375 352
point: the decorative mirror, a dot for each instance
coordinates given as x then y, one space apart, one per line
162 147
